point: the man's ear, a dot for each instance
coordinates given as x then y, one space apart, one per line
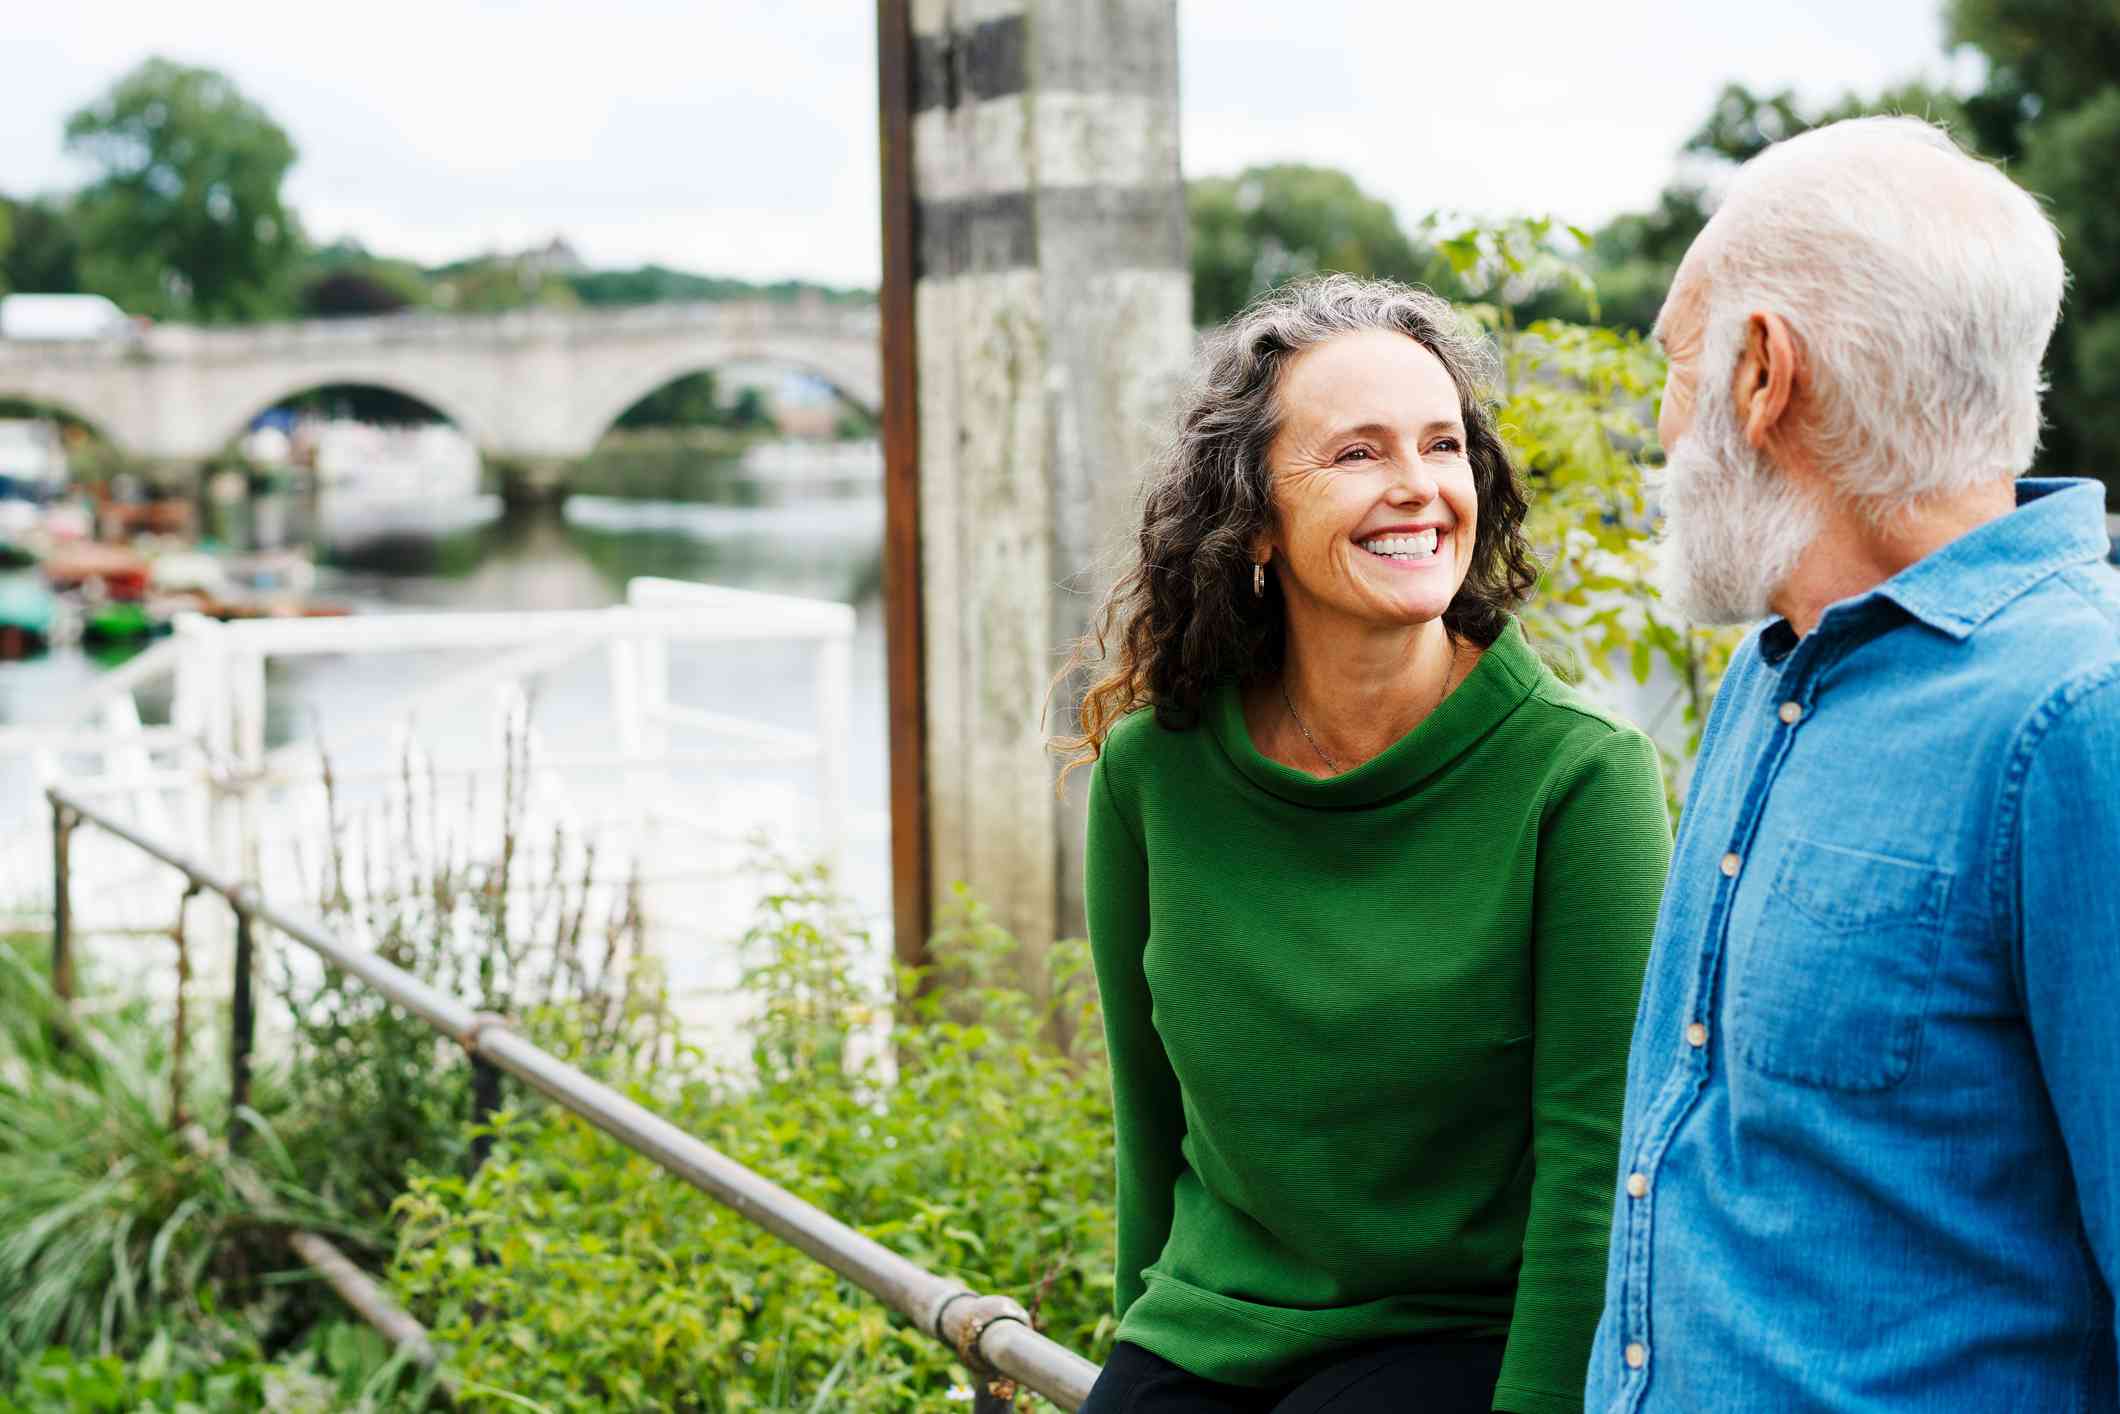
1769 371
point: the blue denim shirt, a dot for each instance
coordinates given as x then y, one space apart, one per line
1871 1152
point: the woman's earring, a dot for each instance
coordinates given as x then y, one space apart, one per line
1258 580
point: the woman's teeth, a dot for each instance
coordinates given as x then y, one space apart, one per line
1403 547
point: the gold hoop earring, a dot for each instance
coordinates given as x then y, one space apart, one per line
1258 580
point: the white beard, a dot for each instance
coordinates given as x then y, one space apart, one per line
1734 526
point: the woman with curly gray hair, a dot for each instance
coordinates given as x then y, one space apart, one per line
1369 889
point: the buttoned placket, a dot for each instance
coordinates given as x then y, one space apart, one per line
1689 1078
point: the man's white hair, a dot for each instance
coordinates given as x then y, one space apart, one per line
1923 285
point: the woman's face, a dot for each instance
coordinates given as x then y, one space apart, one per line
1371 482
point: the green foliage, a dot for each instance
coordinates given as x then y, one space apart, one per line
340 1367
106 1213
364 402
185 220
2069 158
2049 108
749 410
653 284
1634 256
667 464
695 400
1578 406
42 253
512 929
2045 57
952 1127
343 279
496 284
1269 225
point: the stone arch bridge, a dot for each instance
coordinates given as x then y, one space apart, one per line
534 387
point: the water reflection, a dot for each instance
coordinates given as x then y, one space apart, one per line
464 552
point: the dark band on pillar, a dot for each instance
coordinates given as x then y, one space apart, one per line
1105 228
989 60
993 59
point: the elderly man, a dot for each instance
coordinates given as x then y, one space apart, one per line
1871 1152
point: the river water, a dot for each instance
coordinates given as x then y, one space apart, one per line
460 551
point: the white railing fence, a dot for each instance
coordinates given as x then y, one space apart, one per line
660 792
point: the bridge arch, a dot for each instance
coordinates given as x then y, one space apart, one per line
235 412
60 408
601 410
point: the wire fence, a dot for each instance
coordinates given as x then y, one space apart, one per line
991 1334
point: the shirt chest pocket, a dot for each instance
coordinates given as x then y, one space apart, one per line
1833 987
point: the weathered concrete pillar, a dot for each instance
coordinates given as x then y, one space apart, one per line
1050 312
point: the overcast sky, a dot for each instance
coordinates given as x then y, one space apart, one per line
738 137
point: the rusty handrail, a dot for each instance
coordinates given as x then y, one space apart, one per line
992 1335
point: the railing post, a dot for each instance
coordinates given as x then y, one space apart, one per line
485 1088
485 1103
62 902
243 1010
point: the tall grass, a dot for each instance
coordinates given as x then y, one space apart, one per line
114 1222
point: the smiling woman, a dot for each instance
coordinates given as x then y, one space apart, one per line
1369 895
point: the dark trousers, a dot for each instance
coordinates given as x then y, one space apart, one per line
1396 1377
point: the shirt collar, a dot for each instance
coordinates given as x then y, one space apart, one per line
2059 522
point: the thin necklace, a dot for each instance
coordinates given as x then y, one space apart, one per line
1326 756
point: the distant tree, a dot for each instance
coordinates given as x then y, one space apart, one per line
653 284
1634 256
2051 106
363 402
343 279
750 410
43 251
495 284
691 401
1267 225
185 219
2045 58
339 293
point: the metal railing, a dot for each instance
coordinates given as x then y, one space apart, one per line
992 1335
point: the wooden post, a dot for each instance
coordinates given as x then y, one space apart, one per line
1036 315
911 905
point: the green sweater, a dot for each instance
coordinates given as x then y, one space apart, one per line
1369 1034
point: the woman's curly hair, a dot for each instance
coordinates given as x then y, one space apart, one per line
1183 616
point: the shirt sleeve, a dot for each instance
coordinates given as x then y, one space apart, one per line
2069 909
1148 1116
1604 846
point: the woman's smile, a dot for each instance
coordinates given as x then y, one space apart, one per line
1405 549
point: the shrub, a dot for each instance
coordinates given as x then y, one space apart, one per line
112 1222
951 1127
469 904
1578 408
342 1368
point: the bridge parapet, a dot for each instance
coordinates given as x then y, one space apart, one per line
524 383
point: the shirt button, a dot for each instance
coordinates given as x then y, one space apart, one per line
1730 865
1637 1355
1697 1035
1791 712
1637 1185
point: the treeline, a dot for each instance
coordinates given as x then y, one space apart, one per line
2048 109
184 217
